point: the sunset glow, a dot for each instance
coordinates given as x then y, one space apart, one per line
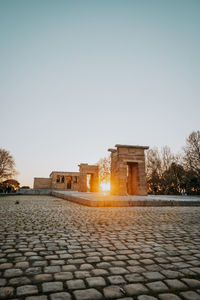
105 186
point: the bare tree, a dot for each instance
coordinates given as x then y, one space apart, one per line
167 158
192 152
157 163
153 162
104 169
7 165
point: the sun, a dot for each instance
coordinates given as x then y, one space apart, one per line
105 186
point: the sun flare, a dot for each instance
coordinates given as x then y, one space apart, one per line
105 186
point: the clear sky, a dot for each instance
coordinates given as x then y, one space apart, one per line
78 77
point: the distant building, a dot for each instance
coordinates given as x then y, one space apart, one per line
127 174
87 179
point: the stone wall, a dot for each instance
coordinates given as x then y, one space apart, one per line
42 183
65 182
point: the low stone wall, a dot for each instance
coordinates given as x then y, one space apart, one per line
122 203
34 192
28 192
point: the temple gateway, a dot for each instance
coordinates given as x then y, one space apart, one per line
127 174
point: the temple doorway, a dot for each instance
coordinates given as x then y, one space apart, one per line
69 182
90 182
132 178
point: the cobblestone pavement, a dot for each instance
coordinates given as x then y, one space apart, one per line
54 249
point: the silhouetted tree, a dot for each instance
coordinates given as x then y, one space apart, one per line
7 165
192 152
158 162
174 179
9 186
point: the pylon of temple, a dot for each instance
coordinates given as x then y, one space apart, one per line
88 178
128 170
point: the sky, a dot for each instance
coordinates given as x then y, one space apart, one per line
78 77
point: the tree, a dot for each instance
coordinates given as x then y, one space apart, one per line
9 186
153 170
174 179
104 169
157 163
192 152
7 165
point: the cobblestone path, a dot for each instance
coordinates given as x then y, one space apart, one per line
54 249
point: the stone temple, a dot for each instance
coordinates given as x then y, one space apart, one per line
127 174
128 170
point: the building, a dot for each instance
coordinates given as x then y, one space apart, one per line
127 174
86 180
128 170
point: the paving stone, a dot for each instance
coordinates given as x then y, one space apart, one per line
188 272
147 261
136 269
103 265
6 266
171 274
153 275
116 279
77 261
96 281
6 292
69 268
52 286
118 263
60 296
93 259
43 277
12 273
88 294
82 274
192 283
2 282
39 263
196 270
75 284
190 295
134 278
157 286
43 297
57 262
33 271
146 297
65 255
52 269
112 291
86 267
27 290
19 281
98 272
175 284
22 264
118 270
63 276
125 298
134 289
169 297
